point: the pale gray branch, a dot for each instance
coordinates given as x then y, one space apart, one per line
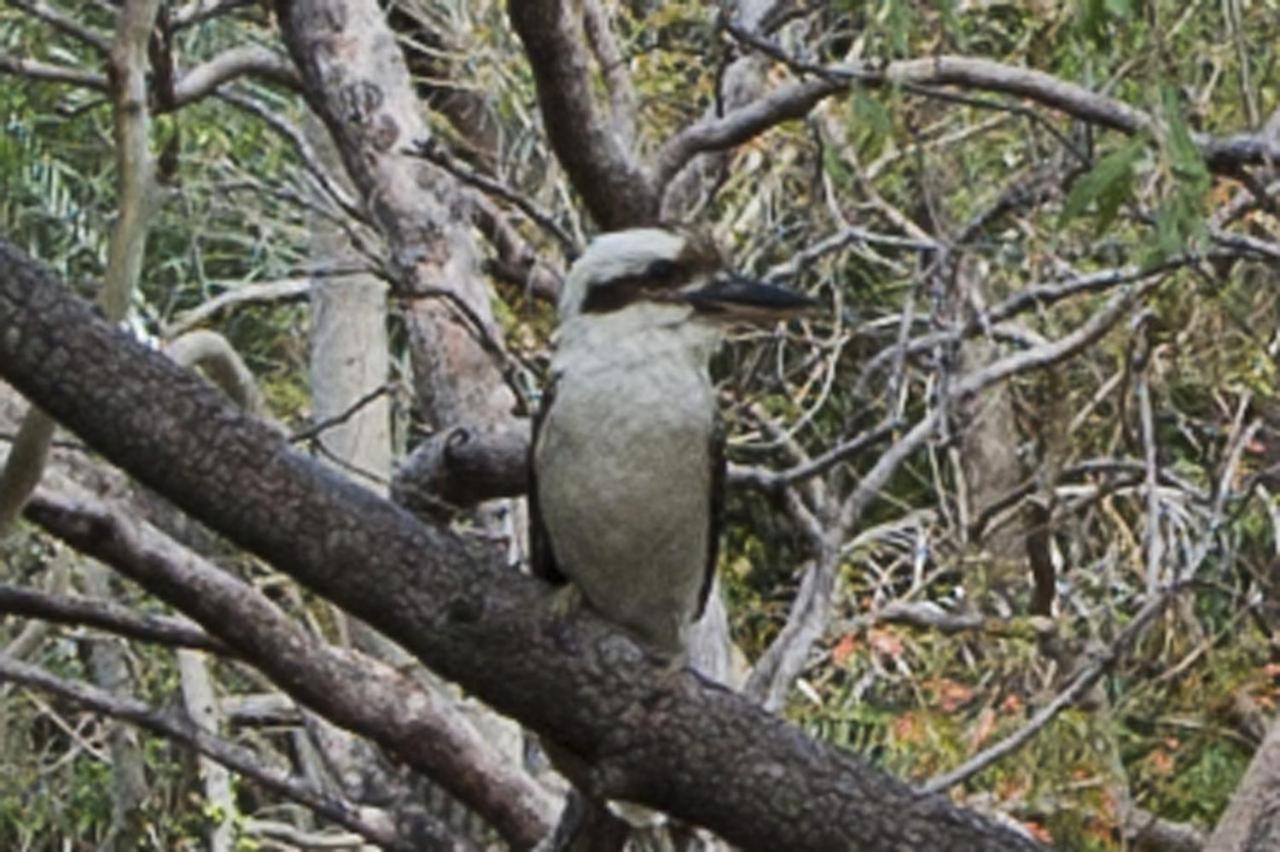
250 60
106 615
285 290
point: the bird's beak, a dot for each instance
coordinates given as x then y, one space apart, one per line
738 298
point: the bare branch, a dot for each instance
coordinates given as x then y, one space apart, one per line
697 751
788 102
106 615
1252 811
462 468
433 152
49 73
613 68
214 355
782 662
283 291
966 72
298 140
64 23
313 431
251 60
767 480
1079 685
517 261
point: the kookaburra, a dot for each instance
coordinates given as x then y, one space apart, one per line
627 456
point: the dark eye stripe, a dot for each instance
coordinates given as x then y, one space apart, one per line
613 295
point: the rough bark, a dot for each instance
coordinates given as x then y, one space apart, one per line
355 79
1251 822
670 740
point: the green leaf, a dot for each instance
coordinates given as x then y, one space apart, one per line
901 21
1185 159
871 123
1092 19
1108 183
1119 8
834 165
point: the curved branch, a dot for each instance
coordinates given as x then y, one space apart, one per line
967 72
214 355
788 102
283 291
615 188
250 60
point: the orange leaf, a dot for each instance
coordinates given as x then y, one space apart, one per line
885 642
844 649
951 694
982 728
1161 762
908 728
1038 831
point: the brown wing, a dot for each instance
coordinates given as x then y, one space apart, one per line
542 559
716 515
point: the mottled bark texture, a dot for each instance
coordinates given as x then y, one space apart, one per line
668 740
354 77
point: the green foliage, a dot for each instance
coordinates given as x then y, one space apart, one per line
1108 184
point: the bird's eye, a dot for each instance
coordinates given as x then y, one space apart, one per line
662 270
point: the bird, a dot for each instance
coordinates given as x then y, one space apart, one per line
627 457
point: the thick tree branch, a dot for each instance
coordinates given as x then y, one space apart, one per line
1254 810
462 468
613 68
670 741
616 189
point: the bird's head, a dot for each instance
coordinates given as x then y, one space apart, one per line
669 275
